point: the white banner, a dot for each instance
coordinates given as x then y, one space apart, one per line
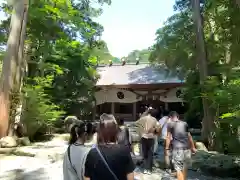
110 95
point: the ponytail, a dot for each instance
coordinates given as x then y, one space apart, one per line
78 131
73 134
89 128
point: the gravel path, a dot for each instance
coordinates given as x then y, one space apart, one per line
30 168
43 168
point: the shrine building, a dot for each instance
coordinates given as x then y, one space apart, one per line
125 89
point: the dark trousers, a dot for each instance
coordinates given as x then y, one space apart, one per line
147 152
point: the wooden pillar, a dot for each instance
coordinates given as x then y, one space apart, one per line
112 108
166 106
134 111
94 111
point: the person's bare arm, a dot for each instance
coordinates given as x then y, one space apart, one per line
192 146
86 178
191 142
130 176
168 140
157 127
159 131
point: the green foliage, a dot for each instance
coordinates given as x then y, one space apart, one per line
102 53
61 50
176 47
227 99
192 95
73 89
141 55
39 112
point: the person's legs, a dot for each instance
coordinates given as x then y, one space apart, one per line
166 160
171 167
180 175
185 173
144 152
147 148
155 144
178 163
187 162
166 157
150 149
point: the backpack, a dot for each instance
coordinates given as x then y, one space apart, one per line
123 136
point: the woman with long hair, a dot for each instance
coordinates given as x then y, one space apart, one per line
109 160
75 156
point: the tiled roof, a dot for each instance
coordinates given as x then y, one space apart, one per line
134 74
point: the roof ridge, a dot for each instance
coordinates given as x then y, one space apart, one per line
126 65
147 73
120 64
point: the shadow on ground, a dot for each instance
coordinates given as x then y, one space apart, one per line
19 174
44 147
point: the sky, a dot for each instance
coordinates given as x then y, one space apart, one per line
132 24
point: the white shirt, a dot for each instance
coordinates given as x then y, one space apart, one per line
163 123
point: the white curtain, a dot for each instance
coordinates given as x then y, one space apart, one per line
171 96
111 96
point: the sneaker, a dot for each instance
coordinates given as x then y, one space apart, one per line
147 172
169 171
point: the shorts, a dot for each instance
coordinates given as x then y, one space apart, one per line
181 159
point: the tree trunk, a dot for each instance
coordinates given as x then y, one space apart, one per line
208 120
238 3
10 73
20 72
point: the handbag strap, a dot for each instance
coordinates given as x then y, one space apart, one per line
69 158
106 164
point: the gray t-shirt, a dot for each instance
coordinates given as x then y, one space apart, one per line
78 154
179 131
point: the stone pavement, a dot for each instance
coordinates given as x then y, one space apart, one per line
47 165
31 168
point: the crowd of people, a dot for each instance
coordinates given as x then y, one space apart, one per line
110 156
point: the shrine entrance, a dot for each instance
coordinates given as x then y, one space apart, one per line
127 100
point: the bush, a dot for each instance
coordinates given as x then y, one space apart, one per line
39 113
228 136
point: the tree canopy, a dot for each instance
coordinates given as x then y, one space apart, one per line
141 55
176 47
61 52
102 53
